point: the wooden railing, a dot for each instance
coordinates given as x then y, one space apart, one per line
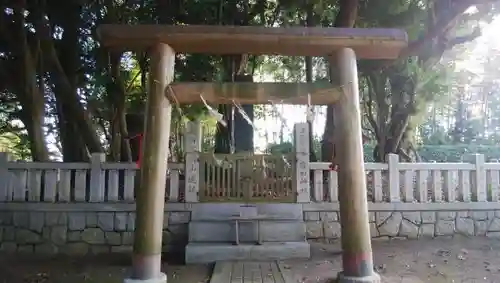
77 182
246 178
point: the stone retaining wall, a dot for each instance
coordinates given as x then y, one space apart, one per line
48 230
325 225
81 233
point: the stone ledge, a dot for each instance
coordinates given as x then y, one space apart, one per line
313 206
161 279
208 253
374 278
269 230
226 211
403 206
85 207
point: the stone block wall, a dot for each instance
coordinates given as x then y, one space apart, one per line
325 225
67 231
80 233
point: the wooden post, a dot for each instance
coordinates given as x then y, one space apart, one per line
192 170
357 258
302 173
150 199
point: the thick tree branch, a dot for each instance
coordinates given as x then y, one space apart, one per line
64 90
445 21
463 39
346 17
440 22
370 114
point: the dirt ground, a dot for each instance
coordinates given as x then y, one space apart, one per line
455 260
442 260
98 269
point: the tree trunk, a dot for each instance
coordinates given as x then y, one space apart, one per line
460 113
224 135
243 131
135 126
30 97
346 18
63 64
73 147
116 93
309 79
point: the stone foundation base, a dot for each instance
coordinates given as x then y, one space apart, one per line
212 252
374 278
385 225
99 228
161 279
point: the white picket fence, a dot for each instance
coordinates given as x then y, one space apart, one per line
417 182
97 181
100 181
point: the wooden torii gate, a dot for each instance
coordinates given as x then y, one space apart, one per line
341 45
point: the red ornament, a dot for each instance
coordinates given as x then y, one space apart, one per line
138 136
333 167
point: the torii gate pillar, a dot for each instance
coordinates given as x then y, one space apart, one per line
150 195
357 257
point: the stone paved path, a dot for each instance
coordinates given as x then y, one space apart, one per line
249 272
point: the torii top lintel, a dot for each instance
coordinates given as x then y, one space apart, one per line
368 43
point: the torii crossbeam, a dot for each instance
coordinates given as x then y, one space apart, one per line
340 44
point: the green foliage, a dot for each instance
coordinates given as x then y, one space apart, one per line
454 153
87 67
438 153
447 153
280 148
16 145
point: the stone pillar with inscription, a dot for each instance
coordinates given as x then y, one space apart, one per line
301 146
192 172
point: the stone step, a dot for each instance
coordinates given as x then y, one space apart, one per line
223 211
270 231
211 252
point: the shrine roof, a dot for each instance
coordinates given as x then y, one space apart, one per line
368 43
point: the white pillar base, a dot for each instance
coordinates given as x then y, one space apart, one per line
161 279
374 278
